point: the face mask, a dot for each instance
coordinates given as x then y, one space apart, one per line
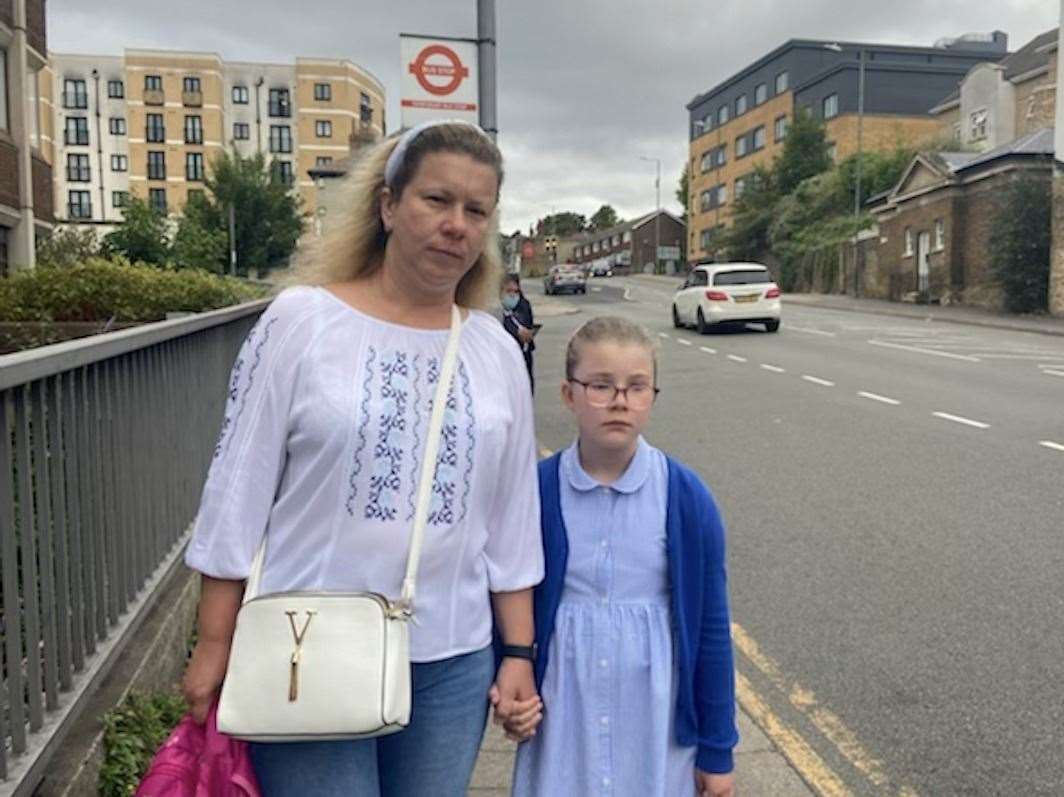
509 301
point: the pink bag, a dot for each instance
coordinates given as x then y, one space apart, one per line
197 761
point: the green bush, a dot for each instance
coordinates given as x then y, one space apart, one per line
99 290
132 733
1020 244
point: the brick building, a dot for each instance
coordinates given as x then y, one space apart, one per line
630 245
934 227
742 122
25 169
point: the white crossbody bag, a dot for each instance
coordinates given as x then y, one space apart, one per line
311 666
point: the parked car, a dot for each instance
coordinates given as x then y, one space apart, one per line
565 278
601 270
725 292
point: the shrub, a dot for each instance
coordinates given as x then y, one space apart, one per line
132 733
1020 243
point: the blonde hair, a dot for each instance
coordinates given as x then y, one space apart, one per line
608 329
353 247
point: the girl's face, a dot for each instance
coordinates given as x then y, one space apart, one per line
606 417
439 223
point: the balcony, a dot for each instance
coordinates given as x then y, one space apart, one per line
192 99
76 174
79 210
154 97
78 138
280 109
155 135
75 99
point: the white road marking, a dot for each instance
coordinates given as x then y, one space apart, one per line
816 380
683 342
1051 372
877 397
707 350
774 368
596 289
628 295
736 358
959 419
811 331
663 335
1051 365
1051 444
919 350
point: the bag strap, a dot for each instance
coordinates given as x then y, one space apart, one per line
428 476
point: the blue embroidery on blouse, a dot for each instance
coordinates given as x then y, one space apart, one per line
386 479
229 423
444 488
471 438
363 423
415 458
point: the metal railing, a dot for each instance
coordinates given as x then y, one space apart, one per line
104 445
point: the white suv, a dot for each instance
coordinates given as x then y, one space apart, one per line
727 292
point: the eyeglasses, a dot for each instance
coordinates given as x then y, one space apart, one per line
601 394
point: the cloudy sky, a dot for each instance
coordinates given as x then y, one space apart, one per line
586 87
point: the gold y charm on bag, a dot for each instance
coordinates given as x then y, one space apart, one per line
297 654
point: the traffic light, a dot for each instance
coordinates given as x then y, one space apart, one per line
550 246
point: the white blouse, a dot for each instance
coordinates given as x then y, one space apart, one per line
321 447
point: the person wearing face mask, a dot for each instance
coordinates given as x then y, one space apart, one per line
517 320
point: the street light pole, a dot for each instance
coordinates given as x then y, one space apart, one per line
486 65
657 206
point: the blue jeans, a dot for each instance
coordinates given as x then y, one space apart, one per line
433 755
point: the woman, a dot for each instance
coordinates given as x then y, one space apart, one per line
320 449
518 321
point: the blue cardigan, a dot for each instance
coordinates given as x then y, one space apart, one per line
705 704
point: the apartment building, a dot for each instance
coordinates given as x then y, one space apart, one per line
25 134
741 123
149 123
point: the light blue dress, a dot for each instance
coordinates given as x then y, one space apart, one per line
610 687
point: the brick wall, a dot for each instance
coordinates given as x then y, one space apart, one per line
1036 102
8 174
36 29
42 191
880 133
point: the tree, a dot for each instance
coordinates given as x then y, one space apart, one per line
267 215
67 246
567 223
1020 244
754 211
142 235
201 240
683 190
805 153
604 218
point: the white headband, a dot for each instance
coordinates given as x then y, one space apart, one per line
395 160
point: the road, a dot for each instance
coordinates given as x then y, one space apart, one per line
894 495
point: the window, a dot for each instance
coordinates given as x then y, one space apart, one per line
759 138
194 166
323 160
153 82
722 115
74 94
191 85
940 235
3 96
323 92
707 161
908 241
280 138
118 125
240 95
279 104
740 186
740 105
978 125
116 89
155 131
119 199
626 237
241 131
80 204
705 200
760 93
365 106
705 238
282 170
119 163
323 128
195 195
699 278
722 155
831 106
77 130
957 132
193 130
780 128
782 82
741 145
157 199
78 169
748 276
722 194
156 165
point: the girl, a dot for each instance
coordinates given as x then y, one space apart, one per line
634 663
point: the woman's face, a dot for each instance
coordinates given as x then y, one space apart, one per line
439 223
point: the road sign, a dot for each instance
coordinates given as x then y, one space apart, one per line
439 79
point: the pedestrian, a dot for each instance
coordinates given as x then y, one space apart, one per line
518 321
320 452
635 663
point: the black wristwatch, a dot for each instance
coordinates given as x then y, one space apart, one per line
527 652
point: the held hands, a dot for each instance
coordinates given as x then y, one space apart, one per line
513 696
710 785
525 335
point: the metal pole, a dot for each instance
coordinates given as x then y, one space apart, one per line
657 217
1056 253
232 239
486 65
860 156
99 143
258 116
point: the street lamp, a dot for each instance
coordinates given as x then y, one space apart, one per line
657 214
835 47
